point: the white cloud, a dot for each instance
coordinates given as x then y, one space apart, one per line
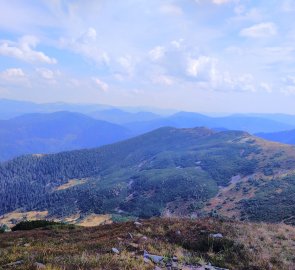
288 87
171 9
14 76
163 79
24 50
266 87
47 74
218 2
260 30
126 62
101 84
13 73
199 66
288 5
86 45
157 53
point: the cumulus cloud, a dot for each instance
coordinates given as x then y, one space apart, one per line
217 2
206 70
260 30
101 84
171 9
24 50
288 87
87 46
14 76
13 73
220 2
163 79
266 87
157 53
48 74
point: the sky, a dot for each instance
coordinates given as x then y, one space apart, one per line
229 56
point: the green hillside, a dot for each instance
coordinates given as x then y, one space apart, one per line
169 171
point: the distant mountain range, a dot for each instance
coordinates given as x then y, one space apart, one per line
44 128
167 172
189 120
55 132
282 136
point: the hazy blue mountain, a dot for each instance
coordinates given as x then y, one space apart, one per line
121 117
55 132
190 120
279 117
12 108
282 136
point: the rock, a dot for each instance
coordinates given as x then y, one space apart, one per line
130 235
178 232
115 250
39 265
134 245
175 259
155 258
216 235
157 268
14 263
27 244
137 224
211 267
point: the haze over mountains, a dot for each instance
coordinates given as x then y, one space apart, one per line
43 128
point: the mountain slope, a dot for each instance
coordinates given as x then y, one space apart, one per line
169 171
55 132
282 137
243 246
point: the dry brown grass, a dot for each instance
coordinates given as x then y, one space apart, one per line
244 246
71 183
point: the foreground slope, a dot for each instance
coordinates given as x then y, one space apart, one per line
55 132
169 172
241 246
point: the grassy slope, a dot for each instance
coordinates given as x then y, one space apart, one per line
168 171
244 246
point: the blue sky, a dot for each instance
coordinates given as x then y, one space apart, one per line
194 55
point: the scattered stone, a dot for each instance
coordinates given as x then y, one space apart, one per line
115 250
130 235
134 245
216 235
14 263
178 232
144 238
39 265
27 244
137 224
155 258
211 267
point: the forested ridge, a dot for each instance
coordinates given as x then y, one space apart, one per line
165 170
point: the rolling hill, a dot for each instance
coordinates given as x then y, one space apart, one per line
167 172
55 132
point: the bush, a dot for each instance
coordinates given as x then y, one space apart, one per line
34 224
